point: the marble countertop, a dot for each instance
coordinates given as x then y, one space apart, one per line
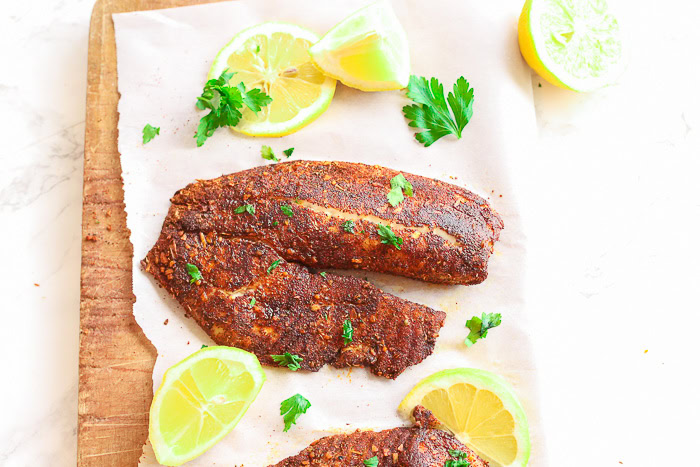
611 201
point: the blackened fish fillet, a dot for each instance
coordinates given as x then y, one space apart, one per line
422 445
250 297
448 232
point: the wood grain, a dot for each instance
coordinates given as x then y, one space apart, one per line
116 360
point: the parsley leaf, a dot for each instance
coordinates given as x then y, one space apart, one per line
388 236
224 102
479 327
430 111
194 273
292 408
276 223
203 346
460 459
252 302
399 186
349 226
288 152
150 132
323 274
289 360
268 154
273 266
371 462
348 331
287 210
249 208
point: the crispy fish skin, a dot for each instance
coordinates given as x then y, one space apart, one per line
422 445
294 310
448 232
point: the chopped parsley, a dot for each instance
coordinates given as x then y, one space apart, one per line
276 223
252 302
430 111
348 331
292 408
150 132
459 459
388 236
399 186
287 210
273 266
323 274
194 273
289 360
268 154
224 102
288 152
371 462
349 226
249 208
203 346
479 327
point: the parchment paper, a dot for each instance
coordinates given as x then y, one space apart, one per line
163 59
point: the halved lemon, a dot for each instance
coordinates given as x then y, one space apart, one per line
572 44
274 57
480 408
201 399
368 50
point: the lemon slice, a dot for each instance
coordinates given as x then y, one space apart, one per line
368 50
481 410
201 399
274 57
572 44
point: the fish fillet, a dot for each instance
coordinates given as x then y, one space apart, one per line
422 445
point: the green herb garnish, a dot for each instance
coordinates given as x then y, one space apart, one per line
194 273
268 154
224 102
399 186
323 274
249 208
273 266
348 331
349 226
430 111
150 132
288 152
371 462
287 210
460 459
479 327
203 346
289 360
388 236
292 408
276 223
252 302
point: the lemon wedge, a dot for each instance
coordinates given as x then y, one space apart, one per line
368 50
573 45
201 399
480 408
274 57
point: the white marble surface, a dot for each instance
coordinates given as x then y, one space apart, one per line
613 210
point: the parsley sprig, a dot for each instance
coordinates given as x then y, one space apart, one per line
289 360
431 112
224 102
292 408
371 462
194 273
479 327
348 331
388 236
249 208
459 459
150 132
399 186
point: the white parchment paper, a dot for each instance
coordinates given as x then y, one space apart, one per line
163 59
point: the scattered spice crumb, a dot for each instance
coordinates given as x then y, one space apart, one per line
500 196
165 322
109 227
90 238
647 350
188 342
36 285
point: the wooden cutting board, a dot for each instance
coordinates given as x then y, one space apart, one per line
116 360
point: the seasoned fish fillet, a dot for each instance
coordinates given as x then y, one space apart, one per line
251 298
448 232
422 445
